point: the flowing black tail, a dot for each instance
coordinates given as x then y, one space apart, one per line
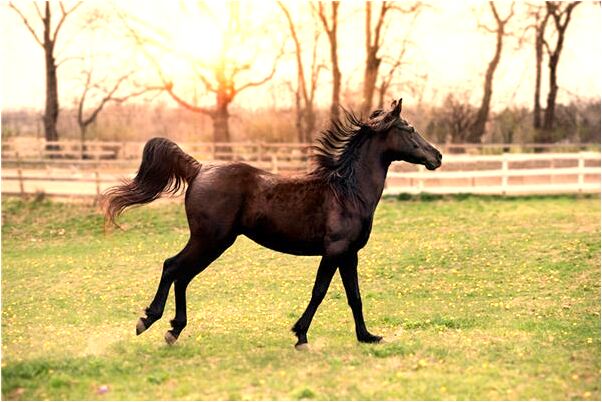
164 169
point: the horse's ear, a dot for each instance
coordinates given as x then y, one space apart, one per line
396 108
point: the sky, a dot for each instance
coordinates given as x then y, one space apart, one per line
448 52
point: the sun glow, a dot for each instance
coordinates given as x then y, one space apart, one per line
232 40
200 37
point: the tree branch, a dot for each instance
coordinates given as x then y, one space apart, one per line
193 108
64 14
38 11
26 22
206 81
66 59
381 19
262 81
322 16
300 71
486 28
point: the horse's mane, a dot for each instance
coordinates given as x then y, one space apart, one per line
335 151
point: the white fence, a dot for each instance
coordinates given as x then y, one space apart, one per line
566 173
478 174
26 148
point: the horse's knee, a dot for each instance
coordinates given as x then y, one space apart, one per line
168 263
170 266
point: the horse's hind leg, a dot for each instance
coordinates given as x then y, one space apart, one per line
207 252
155 310
180 320
172 269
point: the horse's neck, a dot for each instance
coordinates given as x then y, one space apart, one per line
371 173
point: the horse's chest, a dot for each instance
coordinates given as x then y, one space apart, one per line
363 234
348 233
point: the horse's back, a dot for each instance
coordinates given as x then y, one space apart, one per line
282 213
215 197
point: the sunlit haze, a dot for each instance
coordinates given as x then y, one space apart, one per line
448 52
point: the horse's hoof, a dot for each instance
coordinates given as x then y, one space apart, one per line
170 338
371 339
302 346
140 327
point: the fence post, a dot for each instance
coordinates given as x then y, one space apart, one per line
581 175
420 178
504 173
260 151
97 178
20 176
274 164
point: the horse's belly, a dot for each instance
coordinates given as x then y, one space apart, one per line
285 243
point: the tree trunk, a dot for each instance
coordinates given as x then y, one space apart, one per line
372 63
336 72
336 83
478 127
382 90
51 112
299 118
221 129
548 121
310 123
539 31
370 75
556 12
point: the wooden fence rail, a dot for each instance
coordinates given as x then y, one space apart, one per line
514 174
247 151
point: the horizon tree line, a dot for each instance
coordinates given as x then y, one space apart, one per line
226 79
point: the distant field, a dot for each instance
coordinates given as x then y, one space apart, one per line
478 298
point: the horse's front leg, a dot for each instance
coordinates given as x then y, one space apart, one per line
325 273
348 271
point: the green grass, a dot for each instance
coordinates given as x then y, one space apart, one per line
478 298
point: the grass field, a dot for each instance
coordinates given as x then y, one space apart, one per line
480 298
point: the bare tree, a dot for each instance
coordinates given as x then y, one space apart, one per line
457 115
394 64
478 127
306 89
560 15
48 41
104 95
331 32
374 42
224 79
540 15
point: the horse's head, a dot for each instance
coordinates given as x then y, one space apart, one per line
402 141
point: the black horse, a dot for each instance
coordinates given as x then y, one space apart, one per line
327 212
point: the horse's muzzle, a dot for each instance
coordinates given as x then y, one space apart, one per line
434 163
